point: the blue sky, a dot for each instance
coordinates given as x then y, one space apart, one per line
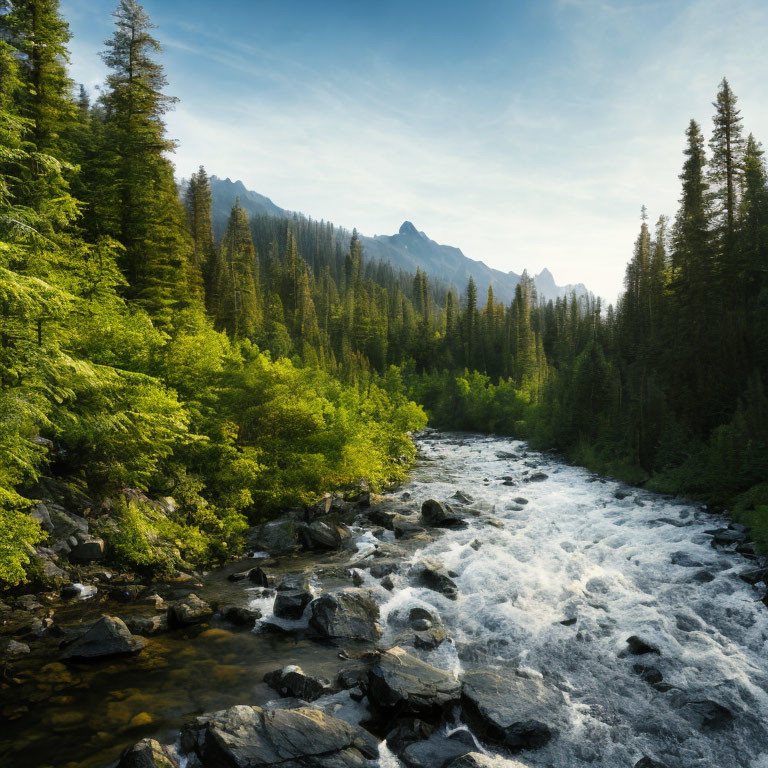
526 133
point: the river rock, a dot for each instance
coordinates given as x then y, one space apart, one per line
189 610
277 537
536 477
637 646
255 575
514 711
87 549
249 737
407 731
430 574
109 636
349 613
148 753
647 762
240 616
294 682
383 517
406 527
14 648
440 515
400 683
438 751
320 535
148 625
292 597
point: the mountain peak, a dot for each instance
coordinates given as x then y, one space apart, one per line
406 228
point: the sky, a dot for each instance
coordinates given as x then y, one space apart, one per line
528 133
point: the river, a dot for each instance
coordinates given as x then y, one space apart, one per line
556 569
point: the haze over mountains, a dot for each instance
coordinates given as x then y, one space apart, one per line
407 250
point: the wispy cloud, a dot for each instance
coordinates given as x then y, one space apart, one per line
523 152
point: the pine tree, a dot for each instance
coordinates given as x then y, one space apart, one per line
237 298
135 196
726 169
198 203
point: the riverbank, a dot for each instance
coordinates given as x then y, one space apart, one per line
622 621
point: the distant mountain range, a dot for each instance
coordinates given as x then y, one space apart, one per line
407 250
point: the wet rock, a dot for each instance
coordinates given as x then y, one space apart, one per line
569 622
536 477
401 683
637 646
476 544
651 675
755 575
13 649
428 628
290 603
406 527
684 560
254 575
126 593
406 732
109 636
440 515
240 616
28 603
148 753
248 737
511 710
320 535
463 498
277 537
190 610
647 762
46 561
438 751
383 517
388 583
710 715
350 613
621 495
293 681
724 537
148 625
703 577
383 568
430 574
87 549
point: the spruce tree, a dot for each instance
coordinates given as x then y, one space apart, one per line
135 195
237 297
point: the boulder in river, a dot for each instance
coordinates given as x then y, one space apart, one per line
248 737
430 574
290 603
321 535
148 753
440 515
638 646
189 610
439 750
536 477
148 625
293 681
515 711
350 613
402 684
109 636
239 615
647 762
277 537
406 527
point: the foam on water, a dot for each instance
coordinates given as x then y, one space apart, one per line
620 567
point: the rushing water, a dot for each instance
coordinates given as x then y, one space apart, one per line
641 565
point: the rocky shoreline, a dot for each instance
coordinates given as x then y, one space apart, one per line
316 573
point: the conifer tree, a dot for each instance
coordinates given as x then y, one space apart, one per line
237 298
135 195
198 204
725 171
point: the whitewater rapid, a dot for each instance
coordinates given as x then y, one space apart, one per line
640 565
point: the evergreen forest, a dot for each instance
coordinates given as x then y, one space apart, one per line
250 373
